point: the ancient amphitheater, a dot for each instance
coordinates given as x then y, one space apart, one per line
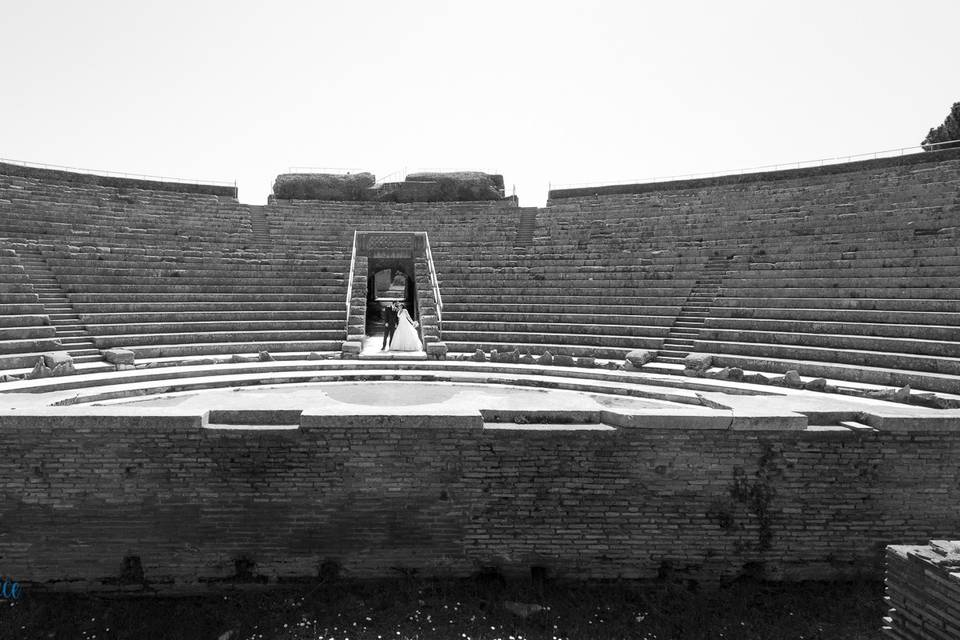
753 374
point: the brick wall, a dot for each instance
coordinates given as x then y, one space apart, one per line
923 591
441 494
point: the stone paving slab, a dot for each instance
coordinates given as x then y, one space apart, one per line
741 411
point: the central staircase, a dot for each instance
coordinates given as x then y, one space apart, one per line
259 228
693 314
56 304
525 228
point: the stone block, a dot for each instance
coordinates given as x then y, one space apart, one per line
264 356
546 358
696 364
39 370
63 369
119 356
56 358
479 356
436 350
587 362
409 192
461 186
564 361
323 186
817 384
640 357
792 379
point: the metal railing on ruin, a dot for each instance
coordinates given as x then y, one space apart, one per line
353 260
435 285
401 174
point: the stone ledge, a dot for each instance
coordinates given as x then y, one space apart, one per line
56 175
764 176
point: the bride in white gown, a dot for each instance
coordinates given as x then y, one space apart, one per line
406 337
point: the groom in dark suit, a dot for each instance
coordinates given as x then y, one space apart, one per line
389 324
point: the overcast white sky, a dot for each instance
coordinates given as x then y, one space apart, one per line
561 92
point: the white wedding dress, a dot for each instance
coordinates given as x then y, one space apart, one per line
405 338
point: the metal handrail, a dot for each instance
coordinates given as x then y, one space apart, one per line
401 174
345 170
116 174
450 170
433 279
800 164
353 261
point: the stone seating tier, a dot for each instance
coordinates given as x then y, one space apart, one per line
460 328
230 348
799 326
816 263
239 336
739 310
839 341
913 293
97 305
830 354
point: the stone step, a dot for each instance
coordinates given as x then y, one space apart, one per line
238 337
23 320
888 330
614 353
212 315
493 310
78 357
227 348
555 327
898 344
208 326
887 376
30 345
880 305
535 337
84 351
846 356
78 343
28 332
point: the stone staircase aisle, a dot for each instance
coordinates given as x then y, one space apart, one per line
526 228
259 229
693 313
70 330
